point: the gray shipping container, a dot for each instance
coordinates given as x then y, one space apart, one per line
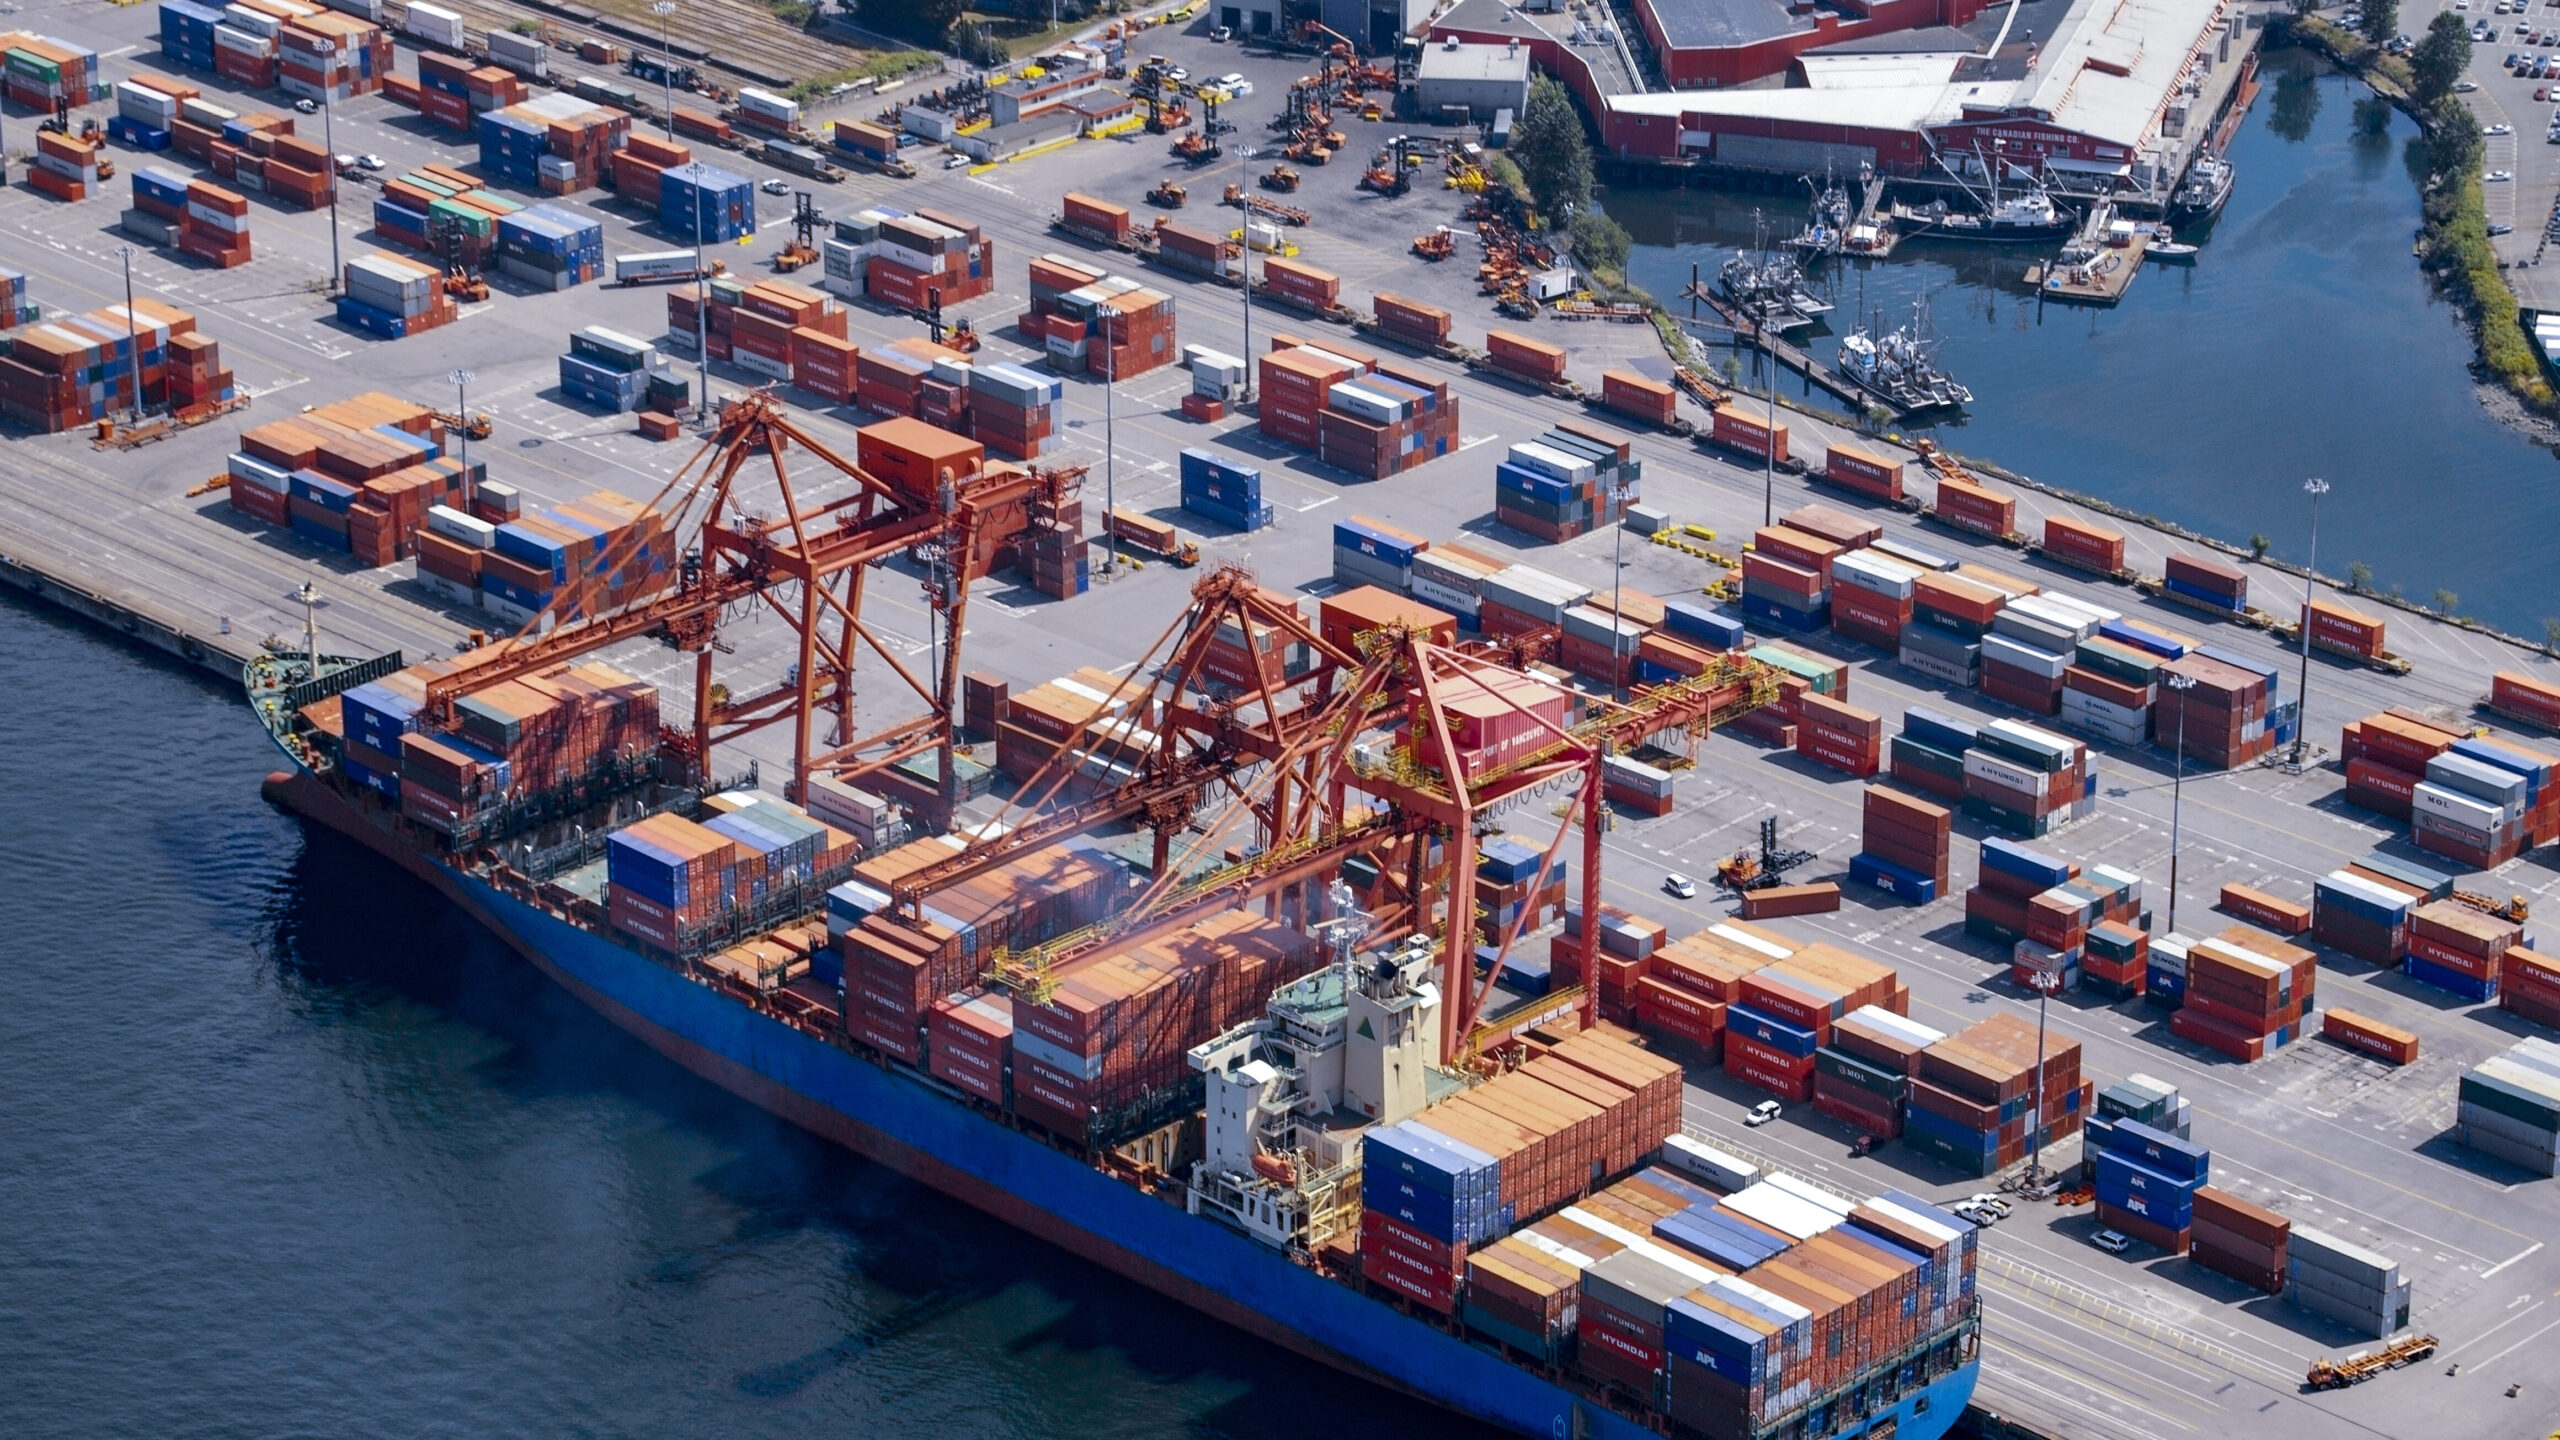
2522 1132
1967 675
1944 646
2488 1142
2317 1250
1353 568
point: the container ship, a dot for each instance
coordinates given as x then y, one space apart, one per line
1193 1003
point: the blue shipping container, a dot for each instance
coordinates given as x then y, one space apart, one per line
2161 1151
1371 541
1900 881
1939 732
1695 622
1769 1030
1760 607
2011 858
2427 972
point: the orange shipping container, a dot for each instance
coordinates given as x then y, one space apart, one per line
2372 1037
2336 628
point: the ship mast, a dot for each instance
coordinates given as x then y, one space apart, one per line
309 595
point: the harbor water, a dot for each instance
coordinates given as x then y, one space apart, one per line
295 1149
2303 341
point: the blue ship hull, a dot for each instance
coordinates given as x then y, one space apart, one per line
901 1120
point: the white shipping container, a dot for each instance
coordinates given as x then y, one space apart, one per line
258 23
454 525
206 113
1978 765
769 105
242 42
2455 806
1875 574
361 9
759 364
1553 463
433 23
1216 365
1704 1162
2044 664
655 264
1370 405
2080 703
229 224
1447 597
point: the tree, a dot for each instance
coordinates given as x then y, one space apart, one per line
2359 576
1553 153
2550 635
2381 20
1601 244
2447 602
2440 58
2258 547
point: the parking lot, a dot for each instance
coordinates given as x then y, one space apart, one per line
2086 1344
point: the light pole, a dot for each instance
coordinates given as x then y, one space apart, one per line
1244 176
132 334
2177 792
329 138
1111 451
1618 588
2046 983
666 63
462 379
2315 487
701 302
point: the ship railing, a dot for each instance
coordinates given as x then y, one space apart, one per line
782 905
540 865
341 680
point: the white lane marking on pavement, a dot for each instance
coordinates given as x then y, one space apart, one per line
2510 1260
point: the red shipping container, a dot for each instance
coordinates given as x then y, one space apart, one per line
1863 473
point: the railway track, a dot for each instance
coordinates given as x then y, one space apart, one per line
743 42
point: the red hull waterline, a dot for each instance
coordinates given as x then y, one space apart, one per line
297 793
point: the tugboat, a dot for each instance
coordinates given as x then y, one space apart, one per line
1899 367
2201 196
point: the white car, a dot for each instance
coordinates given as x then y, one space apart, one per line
1679 886
2494 176
2464 87
1761 1114
2500 129
1988 1201
1982 1215
776 187
371 161
306 107
1234 84
2112 1241
955 162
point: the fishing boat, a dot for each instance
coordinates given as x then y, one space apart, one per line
1770 291
2028 217
1899 366
1826 231
2207 188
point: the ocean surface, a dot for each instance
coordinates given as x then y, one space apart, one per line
289 1148
2303 341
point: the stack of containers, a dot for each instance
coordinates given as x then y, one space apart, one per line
1522 599
1663 657
2387 757
1863 1077
1564 484
1973 1098
1217 379
1300 286
1786 578
1050 721
1052 278
2139 1097
1052 550
639 165
2363 914
969 1043
1964 505
868 144
39 72
1110 1043
550 248
1508 882
2222 717
1872 597
443 211
1372 552
2010 877
2208 584
1012 410
2147 1181
1783 1013
1738 430
1703 628
244 45
2509 1107
2345 1282
451 90
556 143
73 370
1943 638
2109 690
763 110
2027 781
577 560
1217 488
2030 649
1597 645
2480 803
1839 735
1196 252
158 194
2115 960
666 875
66 166
1114 328
2342 631
371 445
449 555
1295 385
146 106
2529 986
326 56
607 368
2241 1000
394 298
15 309
186 33
2455 947
915 258
705 203
1424 327
1386 422
1928 755
1903 846
2084 544
563 727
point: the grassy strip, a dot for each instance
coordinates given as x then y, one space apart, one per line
2456 243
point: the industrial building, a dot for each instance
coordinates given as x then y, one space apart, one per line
2116 97
1481 80
1374 26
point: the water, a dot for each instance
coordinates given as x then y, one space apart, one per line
293 1149
2303 341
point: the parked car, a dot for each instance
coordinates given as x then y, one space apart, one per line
1234 84
2502 230
1761 1114
1679 886
306 107
2111 1241
776 187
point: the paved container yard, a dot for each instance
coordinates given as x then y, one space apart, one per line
2080 1343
